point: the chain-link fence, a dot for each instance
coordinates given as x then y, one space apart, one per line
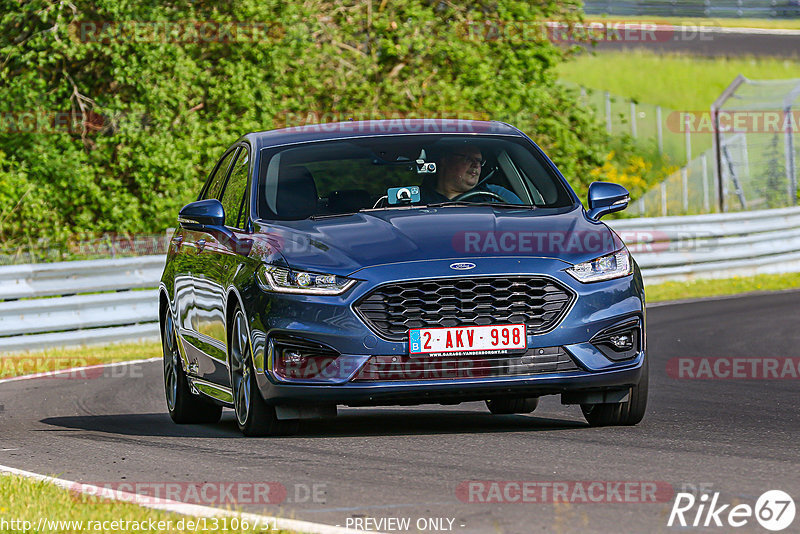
756 126
689 191
752 130
642 121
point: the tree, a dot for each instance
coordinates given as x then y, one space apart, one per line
114 111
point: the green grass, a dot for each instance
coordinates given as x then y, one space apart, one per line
771 24
24 363
728 286
677 82
28 500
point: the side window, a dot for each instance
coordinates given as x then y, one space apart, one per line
218 178
235 189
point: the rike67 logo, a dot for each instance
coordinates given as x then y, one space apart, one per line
774 510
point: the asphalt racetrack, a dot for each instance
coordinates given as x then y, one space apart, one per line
714 42
738 437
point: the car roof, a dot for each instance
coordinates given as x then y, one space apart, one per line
388 127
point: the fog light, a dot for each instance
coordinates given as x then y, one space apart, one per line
296 358
292 357
621 341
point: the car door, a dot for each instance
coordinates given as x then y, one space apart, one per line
192 245
217 264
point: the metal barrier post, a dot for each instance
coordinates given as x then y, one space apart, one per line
706 202
659 129
687 136
791 174
685 188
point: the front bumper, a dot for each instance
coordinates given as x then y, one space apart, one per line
455 390
331 321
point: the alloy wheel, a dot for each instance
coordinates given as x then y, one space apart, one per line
240 368
171 362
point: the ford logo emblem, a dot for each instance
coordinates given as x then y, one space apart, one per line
465 266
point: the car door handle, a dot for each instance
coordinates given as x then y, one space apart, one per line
200 243
177 240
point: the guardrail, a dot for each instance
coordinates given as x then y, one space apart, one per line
79 302
103 301
718 245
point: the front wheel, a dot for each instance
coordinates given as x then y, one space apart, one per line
184 407
626 413
253 415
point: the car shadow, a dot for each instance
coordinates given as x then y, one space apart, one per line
144 424
404 422
350 423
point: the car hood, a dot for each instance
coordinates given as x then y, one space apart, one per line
346 244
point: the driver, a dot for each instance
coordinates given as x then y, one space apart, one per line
458 172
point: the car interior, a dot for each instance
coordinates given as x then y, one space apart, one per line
345 177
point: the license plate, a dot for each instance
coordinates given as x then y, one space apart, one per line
467 339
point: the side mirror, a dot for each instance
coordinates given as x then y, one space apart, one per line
605 198
201 214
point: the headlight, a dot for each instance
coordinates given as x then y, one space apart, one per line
614 265
283 280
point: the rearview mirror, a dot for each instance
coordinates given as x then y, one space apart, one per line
201 214
605 198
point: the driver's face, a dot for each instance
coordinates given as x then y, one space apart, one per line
462 169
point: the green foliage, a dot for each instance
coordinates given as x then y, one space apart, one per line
149 113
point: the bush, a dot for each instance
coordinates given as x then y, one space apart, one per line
106 129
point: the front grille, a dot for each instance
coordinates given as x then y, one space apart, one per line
393 309
534 361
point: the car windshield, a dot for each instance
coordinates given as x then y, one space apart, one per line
340 177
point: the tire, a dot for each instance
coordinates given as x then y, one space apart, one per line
253 415
626 413
184 406
504 406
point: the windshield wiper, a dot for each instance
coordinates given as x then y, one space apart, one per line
331 215
489 204
393 207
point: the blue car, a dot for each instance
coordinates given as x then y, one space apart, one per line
398 262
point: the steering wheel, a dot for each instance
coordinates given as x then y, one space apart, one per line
470 194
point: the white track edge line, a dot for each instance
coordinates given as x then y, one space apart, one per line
48 374
178 507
